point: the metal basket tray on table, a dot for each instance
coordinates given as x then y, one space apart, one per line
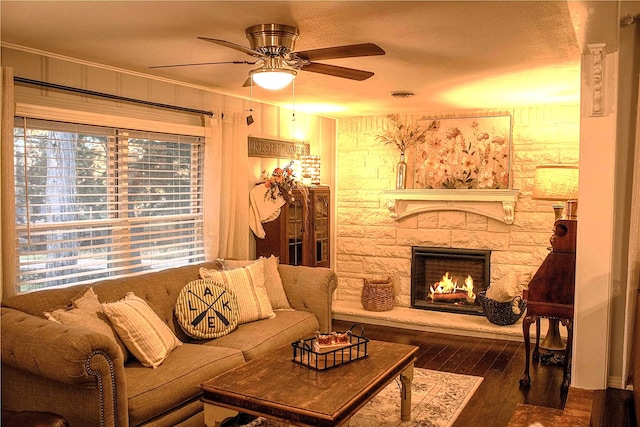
308 353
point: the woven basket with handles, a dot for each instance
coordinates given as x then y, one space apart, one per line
502 313
378 295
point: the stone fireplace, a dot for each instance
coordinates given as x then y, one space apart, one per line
376 226
446 279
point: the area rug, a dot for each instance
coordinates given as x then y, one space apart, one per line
437 400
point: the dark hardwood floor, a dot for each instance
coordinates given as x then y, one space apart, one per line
501 364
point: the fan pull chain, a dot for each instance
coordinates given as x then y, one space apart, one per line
293 100
250 116
293 109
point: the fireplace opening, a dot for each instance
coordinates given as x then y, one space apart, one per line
447 279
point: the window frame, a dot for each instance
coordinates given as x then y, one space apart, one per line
56 114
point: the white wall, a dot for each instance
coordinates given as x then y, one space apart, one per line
605 168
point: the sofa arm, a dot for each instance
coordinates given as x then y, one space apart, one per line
310 288
59 352
39 352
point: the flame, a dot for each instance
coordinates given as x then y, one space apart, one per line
468 284
444 286
450 285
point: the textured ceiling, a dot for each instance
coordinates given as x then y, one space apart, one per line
451 54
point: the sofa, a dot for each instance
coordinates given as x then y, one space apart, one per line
86 377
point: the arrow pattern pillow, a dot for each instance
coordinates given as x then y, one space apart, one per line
205 310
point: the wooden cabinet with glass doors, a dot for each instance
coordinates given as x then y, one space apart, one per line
300 235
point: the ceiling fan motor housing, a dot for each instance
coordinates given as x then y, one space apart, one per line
272 39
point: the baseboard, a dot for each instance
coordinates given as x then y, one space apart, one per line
616 382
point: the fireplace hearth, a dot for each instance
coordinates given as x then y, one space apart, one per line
446 279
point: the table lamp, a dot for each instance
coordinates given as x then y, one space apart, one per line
559 184
311 169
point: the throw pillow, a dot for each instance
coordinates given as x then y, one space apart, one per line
87 300
146 336
247 284
86 311
272 280
206 310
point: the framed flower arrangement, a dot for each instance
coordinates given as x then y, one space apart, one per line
465 153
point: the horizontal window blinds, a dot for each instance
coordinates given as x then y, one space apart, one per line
95 202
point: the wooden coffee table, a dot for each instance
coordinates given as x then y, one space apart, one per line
275 387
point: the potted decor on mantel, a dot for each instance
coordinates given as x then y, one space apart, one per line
403 136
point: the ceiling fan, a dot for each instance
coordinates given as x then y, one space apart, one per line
272 45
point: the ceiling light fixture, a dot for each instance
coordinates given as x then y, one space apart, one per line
272 79
273 75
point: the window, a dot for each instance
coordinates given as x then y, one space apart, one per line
95 202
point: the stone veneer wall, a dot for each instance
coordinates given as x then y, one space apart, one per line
369 244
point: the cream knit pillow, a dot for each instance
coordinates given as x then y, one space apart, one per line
504 289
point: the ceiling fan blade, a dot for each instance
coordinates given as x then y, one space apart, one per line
348 51
203 63
333 70
247 82
234 46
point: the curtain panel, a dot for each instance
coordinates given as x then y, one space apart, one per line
233 217
7 201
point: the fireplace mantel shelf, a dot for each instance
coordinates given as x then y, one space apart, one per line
496 204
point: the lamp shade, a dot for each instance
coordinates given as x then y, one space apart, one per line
556 182
272 79
311 169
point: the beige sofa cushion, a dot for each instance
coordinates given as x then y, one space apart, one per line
158 391
264 336
147 337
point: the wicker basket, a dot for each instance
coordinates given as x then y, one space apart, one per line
501 313
378 295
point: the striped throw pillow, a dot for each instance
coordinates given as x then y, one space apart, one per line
272 280
146 336
247 284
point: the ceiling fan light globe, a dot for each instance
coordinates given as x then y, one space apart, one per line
273 80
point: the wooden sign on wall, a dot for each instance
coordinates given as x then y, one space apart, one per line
262 147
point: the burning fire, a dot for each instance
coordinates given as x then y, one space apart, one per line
448 289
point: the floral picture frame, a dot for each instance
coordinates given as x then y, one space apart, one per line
464 153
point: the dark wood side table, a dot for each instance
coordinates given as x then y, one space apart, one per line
551 295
